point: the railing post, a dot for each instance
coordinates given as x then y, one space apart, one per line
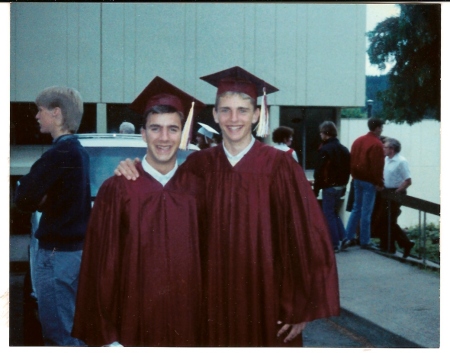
424 235
421 243
389 227
415 203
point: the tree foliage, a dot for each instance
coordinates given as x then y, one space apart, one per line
375 84
353 113
412 42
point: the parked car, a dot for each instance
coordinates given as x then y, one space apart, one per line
105 153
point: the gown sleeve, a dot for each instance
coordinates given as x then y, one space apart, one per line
96 315
304 254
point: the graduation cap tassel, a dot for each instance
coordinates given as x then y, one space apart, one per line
262 129
186 134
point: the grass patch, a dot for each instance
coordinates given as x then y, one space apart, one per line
431 249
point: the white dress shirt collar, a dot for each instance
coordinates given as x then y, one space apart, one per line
234 159
162 178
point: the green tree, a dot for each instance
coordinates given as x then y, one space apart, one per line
412 42
353 113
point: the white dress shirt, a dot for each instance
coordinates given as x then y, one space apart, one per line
234 159
162 178
396 171
285 148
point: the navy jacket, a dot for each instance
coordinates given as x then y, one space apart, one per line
62 175
333 165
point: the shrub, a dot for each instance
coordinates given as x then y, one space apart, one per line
431 249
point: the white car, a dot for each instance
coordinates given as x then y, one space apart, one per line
107 150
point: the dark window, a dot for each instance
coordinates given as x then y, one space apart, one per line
19 221
24 129
89 121
116 114
305 121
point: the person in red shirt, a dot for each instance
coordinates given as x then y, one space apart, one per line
366 168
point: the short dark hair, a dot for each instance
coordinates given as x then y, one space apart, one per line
373 123
161 109
281 134
328 128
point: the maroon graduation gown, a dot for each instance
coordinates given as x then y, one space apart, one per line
267 251
140 277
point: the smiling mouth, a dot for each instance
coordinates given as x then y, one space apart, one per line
234 128
164 148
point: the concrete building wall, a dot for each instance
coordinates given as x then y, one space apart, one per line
55 44
314 53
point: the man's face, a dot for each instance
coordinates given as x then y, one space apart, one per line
388 151
162 134
378 130
46 119
235 117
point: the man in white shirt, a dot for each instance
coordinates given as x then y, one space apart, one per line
397 178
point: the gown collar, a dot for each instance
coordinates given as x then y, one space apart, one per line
235 159
161 178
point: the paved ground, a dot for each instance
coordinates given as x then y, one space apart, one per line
397 299
386 302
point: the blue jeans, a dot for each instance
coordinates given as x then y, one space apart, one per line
56 281
365 193
34 244
330 203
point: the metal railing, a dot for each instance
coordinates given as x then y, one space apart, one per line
422 206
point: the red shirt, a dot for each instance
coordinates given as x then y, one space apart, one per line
367 159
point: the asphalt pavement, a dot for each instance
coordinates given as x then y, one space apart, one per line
391 301
386 302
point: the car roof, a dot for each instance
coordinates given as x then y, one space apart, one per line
111 140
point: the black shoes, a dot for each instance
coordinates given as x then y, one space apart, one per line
347 243
407 249
369 246
384 249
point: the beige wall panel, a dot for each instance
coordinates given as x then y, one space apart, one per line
55 44
333 70
313 53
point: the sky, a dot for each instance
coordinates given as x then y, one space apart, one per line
376 13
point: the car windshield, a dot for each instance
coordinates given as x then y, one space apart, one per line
103 161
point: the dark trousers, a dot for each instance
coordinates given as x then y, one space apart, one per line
392 209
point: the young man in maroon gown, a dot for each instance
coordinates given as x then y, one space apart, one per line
268 266
140 280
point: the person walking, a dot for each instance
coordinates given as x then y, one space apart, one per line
331 175
366 168
397 178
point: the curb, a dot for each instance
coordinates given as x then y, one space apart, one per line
375 334
412 260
